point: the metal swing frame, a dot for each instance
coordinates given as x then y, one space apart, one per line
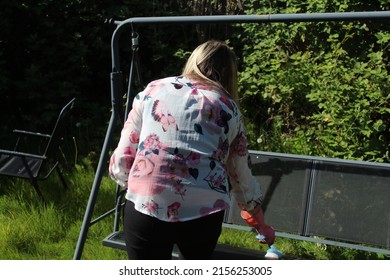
117 92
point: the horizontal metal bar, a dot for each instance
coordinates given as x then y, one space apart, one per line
21 154
298 17
30 133
323 159
101 217
316 240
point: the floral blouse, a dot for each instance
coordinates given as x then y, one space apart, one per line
183 152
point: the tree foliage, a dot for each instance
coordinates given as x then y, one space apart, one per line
51 51
317 88
307 88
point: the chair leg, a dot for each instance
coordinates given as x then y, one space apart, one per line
33 179
36 187
61 177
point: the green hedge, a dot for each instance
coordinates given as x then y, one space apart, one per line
318 88
307 88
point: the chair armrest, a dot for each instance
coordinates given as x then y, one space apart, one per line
24 132
21 154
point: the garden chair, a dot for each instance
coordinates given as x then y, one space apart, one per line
20 164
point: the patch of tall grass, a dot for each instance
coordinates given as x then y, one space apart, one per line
33 230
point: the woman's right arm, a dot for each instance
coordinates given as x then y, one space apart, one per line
123 156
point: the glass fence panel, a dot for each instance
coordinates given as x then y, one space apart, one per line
284 182
351 203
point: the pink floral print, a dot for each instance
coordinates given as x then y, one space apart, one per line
181 143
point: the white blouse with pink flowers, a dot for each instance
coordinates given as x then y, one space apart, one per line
183 152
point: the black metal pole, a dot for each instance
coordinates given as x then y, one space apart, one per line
116 101
299 17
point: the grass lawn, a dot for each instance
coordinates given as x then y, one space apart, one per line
31 230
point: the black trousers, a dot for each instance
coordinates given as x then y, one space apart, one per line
148 238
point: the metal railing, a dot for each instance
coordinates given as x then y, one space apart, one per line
323 200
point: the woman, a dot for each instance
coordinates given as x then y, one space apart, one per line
182 153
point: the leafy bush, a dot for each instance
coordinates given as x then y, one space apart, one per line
317 88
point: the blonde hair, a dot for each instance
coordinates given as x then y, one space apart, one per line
214 63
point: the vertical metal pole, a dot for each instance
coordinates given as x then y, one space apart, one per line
94 192
309 197
133 65
134 58
116 94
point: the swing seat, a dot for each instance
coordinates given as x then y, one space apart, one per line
222 252
116 238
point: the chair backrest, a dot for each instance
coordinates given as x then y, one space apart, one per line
59 128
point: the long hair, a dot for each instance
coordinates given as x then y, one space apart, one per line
215 64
